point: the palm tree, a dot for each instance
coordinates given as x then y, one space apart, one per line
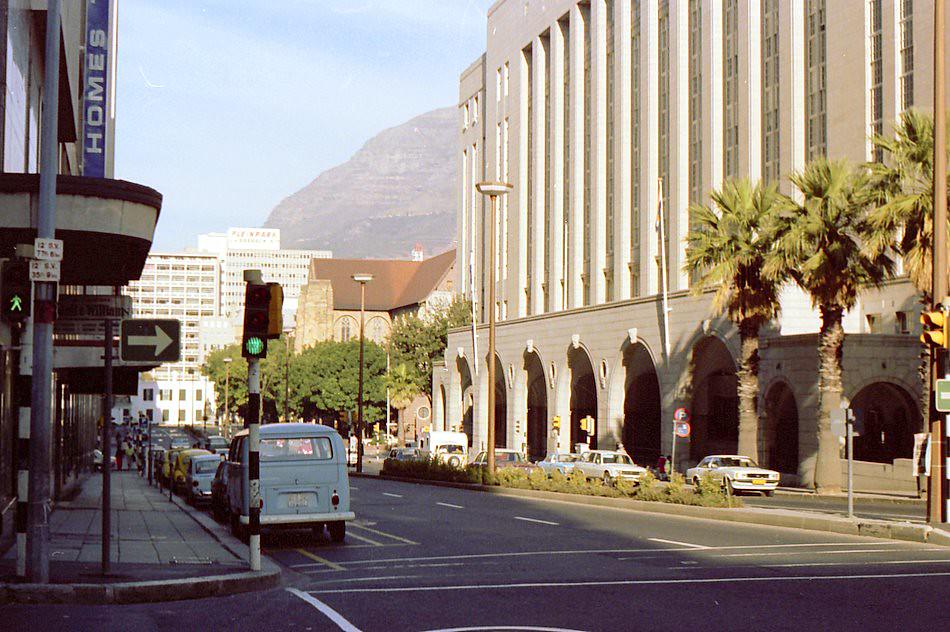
727 249
901 220
402 390
818 243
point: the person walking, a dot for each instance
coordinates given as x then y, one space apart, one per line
119 455
128 452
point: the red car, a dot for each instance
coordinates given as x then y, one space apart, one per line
506 458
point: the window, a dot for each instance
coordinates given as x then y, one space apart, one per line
873 323
635 153
907 53
149 414
345 332
527 54
164 415
770 92
695 110
730 88
900 322
182 394
316 448
182 414
198 395
664 126
148 395
815 77
610 57
876 96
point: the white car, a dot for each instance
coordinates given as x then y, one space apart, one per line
609 465
735 473
562 462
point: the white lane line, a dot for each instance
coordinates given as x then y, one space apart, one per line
686 544
857 563
367 579
471 556
329 612
451 505
392 495
553 524
525 628
634 582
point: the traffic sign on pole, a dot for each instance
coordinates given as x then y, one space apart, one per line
682 429
942 396
150 340
681 414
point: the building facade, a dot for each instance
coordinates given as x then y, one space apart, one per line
603 112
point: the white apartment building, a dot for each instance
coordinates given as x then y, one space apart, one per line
184 287
595 110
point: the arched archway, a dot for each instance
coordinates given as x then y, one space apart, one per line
715 402
886 416
641 406
501 406
583 397
466 414
537 407
781 429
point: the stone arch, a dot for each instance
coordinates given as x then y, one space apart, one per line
781 428
467 389
536 405
346 328
887 416
641 432
377 329
714 406
583 396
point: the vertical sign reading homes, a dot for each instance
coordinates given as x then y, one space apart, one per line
95 90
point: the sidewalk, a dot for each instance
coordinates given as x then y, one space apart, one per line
158 551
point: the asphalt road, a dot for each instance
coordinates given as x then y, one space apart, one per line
864 507
432 558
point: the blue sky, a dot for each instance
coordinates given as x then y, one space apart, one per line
228 106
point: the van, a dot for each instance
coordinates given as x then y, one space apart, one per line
304 482
448 447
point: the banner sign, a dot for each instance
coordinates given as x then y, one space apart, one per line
95 89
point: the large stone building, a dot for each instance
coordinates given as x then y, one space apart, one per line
595 111
329 307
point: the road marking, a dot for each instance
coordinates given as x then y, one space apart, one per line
368 579
633 582
364 539
553 524
317 558
857 563
329 612
451 505
384 534
526 628
686 544
789 553
392 495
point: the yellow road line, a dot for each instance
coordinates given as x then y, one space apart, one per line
384 534
365 539
317 558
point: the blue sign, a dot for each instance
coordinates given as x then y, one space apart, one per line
95 89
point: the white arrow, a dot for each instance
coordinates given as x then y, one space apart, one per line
160 340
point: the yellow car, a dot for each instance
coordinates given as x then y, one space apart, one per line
182 460
168 463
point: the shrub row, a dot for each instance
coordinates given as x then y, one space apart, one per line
707 494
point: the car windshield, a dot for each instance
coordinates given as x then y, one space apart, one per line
450 449
219 442
206 466
317 448
620 459
508 457
736 462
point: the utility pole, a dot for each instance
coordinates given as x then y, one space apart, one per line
44 312
362 279
937 484
287 344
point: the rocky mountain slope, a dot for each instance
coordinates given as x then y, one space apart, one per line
398 190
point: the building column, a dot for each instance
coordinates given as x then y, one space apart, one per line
598 189
750 93
792 87
521 237
679 140
556 256
623 128
537 180
712 105
454 405
649 147
576 184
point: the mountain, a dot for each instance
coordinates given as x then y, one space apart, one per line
399 189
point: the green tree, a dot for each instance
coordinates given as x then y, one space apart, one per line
217 370
402 390
727 249
818 243
416 340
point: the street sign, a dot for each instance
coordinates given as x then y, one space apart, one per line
681 414
44 270
83 314
942 395
48 249
148 340
681 428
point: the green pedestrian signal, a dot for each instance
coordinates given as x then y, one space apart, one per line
16 303
253 346
17 290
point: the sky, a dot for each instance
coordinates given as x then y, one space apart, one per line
228 106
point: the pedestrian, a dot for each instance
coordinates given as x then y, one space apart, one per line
661 466
668 467
119 455
128 452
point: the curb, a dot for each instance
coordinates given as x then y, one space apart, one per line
159 590
773 518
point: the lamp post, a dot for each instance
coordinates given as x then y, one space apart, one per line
227 384
289 347
362 279
493 190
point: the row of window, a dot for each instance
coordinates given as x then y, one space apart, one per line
167 395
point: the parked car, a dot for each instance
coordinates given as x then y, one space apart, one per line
506 458
448 447
181 465
735 473
304 480
609 465
200 472
219 445
562 462
406 454
97 460
219 492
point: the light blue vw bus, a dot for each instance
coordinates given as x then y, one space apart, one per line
304 480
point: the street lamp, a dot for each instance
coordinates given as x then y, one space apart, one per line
227 384
493 190
362 279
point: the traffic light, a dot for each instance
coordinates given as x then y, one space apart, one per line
256 317
275 314
936 331
17 290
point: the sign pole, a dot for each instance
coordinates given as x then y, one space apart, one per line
673 451
254 461
106 446
849 422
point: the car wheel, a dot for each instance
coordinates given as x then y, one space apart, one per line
769 493
337 531
607 479
317 531
696 481
454 461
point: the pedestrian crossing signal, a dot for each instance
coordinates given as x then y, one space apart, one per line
17 291
256 321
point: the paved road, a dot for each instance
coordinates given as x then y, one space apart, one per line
430 558
864 507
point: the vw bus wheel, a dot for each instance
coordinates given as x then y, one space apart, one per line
337 531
